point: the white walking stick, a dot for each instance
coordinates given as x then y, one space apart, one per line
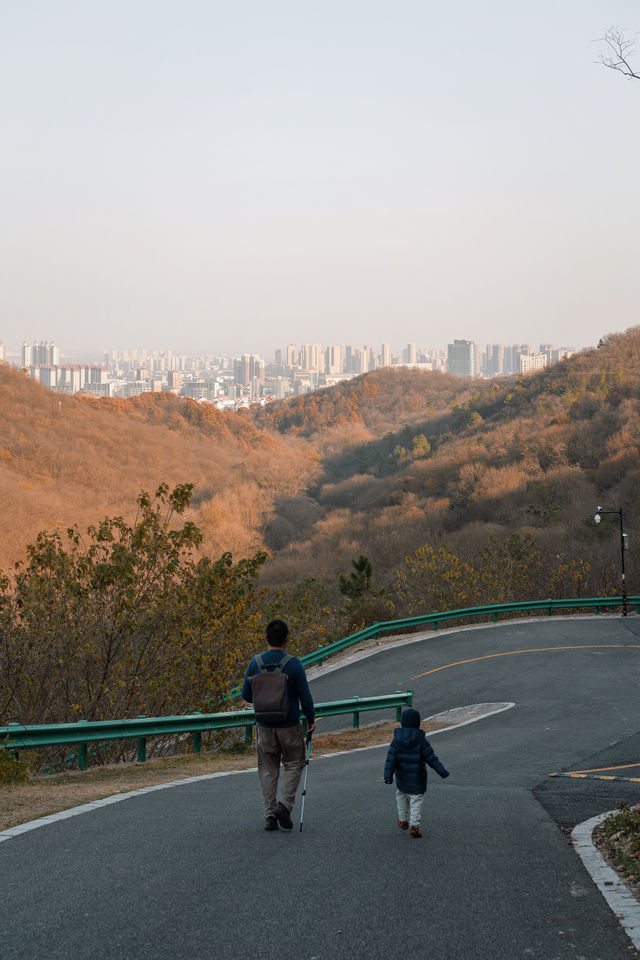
306 774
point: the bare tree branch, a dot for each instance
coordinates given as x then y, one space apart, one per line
616 52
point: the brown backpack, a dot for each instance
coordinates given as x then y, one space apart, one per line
270 691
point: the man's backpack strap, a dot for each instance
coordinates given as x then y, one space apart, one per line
273 667
285 660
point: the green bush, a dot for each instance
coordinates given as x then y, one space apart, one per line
11 770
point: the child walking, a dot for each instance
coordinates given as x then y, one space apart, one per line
408 756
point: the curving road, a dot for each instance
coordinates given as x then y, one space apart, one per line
188 872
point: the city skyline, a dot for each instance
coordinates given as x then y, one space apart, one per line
231 383
246 175
47 351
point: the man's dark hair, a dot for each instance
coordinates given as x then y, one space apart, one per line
277 633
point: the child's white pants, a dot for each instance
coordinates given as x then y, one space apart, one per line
410 807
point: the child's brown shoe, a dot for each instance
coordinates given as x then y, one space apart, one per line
403 824
416 832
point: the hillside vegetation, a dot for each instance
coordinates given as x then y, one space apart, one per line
66 460
469 467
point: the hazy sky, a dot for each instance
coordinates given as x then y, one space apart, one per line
207 176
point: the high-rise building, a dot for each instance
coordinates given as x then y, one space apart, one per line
333 359
360 360
3 353
461 358
529 362
410 353
27 354
44 353
311 357
385 356
512 356
495 360
292 355
248 366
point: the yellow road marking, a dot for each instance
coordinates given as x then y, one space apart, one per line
623 766
512 653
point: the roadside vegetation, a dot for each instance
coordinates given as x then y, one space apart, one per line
618 838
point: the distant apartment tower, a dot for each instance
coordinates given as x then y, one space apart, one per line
461 358
27 354
349 358
495 360
292 355
247 368
311 357
360 360
512 356
530 362
385 355
174 381
333 359
3 353
410 353
44 353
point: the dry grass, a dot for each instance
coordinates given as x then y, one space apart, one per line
42 796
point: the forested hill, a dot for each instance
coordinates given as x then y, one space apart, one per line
66 460
380 401
531 455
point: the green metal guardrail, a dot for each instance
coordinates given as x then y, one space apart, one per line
16 737
435 619
492 610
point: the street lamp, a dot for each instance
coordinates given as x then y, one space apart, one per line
624 545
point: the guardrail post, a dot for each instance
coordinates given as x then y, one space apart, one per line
14 733
248 734
549 608
375 632
495 618
356 716
435 624
82 753
197 736
142 743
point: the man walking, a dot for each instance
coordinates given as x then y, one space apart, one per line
279 731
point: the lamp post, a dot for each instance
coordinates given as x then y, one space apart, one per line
624 545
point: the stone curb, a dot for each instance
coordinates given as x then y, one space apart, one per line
611 886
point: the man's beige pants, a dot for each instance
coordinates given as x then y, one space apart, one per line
277 744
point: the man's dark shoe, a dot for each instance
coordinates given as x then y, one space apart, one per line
282 816
271 823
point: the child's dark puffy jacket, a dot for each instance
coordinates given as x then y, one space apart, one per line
408 755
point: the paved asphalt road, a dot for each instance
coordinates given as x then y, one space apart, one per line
188 872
